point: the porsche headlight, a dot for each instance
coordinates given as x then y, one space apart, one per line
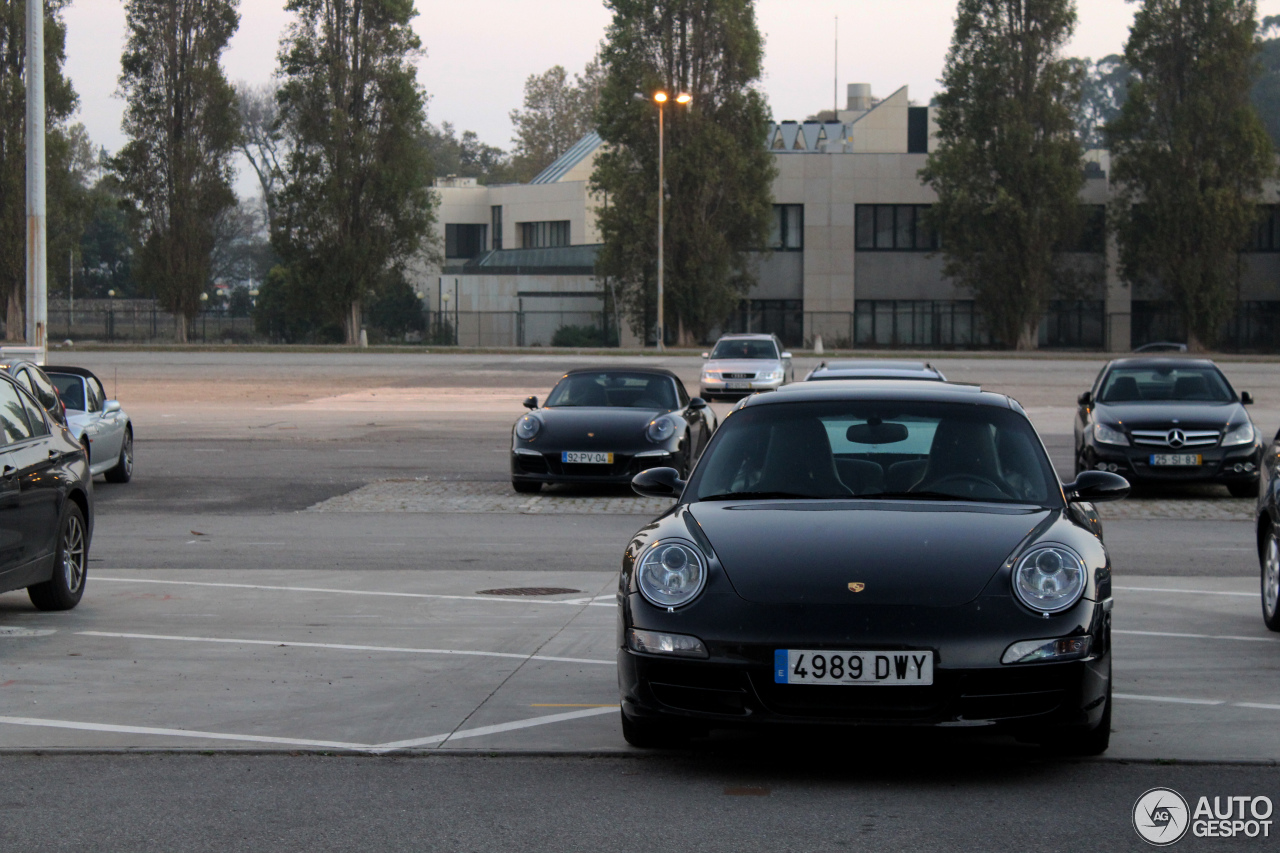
527 427
660 429
1109 435
672 574
1235 436
1049 579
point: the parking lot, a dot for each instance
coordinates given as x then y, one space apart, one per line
321 553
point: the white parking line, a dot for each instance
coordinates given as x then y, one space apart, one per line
340 647
1198 636
1174 699
489 598
1184 591
323 744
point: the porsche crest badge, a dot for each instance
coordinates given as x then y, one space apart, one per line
857 587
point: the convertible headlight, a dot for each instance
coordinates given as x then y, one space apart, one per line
1034 651
672 574
527 427
660 429
1050 578
1242 434
661 643
1109 435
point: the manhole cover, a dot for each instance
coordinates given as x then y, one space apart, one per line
529 590
9 631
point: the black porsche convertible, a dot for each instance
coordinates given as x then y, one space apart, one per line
873 553
605 425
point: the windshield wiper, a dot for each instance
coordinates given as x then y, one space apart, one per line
756 496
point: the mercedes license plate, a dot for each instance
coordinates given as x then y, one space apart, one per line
805 666
738 386
586 457
1182 459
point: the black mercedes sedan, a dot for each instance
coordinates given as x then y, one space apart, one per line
46 503
870 553
604 425
1168 420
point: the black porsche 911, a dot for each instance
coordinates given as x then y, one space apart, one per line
1168 420
871 553
605 425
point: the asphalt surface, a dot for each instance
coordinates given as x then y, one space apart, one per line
225 613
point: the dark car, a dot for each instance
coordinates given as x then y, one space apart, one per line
604 425
1168 420
1268 531
879 553
46 503
38 383
875 369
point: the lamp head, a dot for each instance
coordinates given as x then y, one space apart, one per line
660 97
683 98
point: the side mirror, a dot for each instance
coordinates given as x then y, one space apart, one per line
786 356
111 407
697 403
1246 399
531 403
706 355
658 483
1085 399
1097 487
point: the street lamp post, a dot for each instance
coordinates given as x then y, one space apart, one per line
660 98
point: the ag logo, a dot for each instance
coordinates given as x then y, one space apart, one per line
1160 817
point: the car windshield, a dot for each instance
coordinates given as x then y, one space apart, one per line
745 349
1165 384
869 449
615 389
70 389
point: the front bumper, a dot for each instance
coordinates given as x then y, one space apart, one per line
730 388
547 467
735 686
1218 464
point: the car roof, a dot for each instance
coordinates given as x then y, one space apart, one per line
874 364
77 372
880 389
1162 361
872 373
745 336
622 368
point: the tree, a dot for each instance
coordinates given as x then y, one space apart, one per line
467 157
1190 155
180 117
60 104
1266 89
1007 166
557 113
1103 89
719 172
357 202
260 139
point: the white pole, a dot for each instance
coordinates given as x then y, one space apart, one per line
37 262
661 192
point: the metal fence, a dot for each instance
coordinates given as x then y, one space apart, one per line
140 321
521 328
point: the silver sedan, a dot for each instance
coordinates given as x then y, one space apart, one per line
99 424
740 365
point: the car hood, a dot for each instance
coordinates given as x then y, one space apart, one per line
591 428
809 552
1204 416
743 365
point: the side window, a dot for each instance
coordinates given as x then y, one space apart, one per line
96 395
35 416
44 392
25 379
13 415
681 394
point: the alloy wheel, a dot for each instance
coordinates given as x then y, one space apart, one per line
1271 576
73 554
127 454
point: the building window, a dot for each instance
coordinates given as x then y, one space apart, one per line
544 235
786 233
894 228
496 212
1266 231
464 241
917 130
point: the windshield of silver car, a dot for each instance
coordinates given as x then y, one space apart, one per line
70 389
877 449
1165 384
615 389
745 349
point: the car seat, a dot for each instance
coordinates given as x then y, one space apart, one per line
799 461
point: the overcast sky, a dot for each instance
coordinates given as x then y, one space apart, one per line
479 52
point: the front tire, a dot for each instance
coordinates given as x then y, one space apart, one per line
70 565
526 487
1270 560
123 472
